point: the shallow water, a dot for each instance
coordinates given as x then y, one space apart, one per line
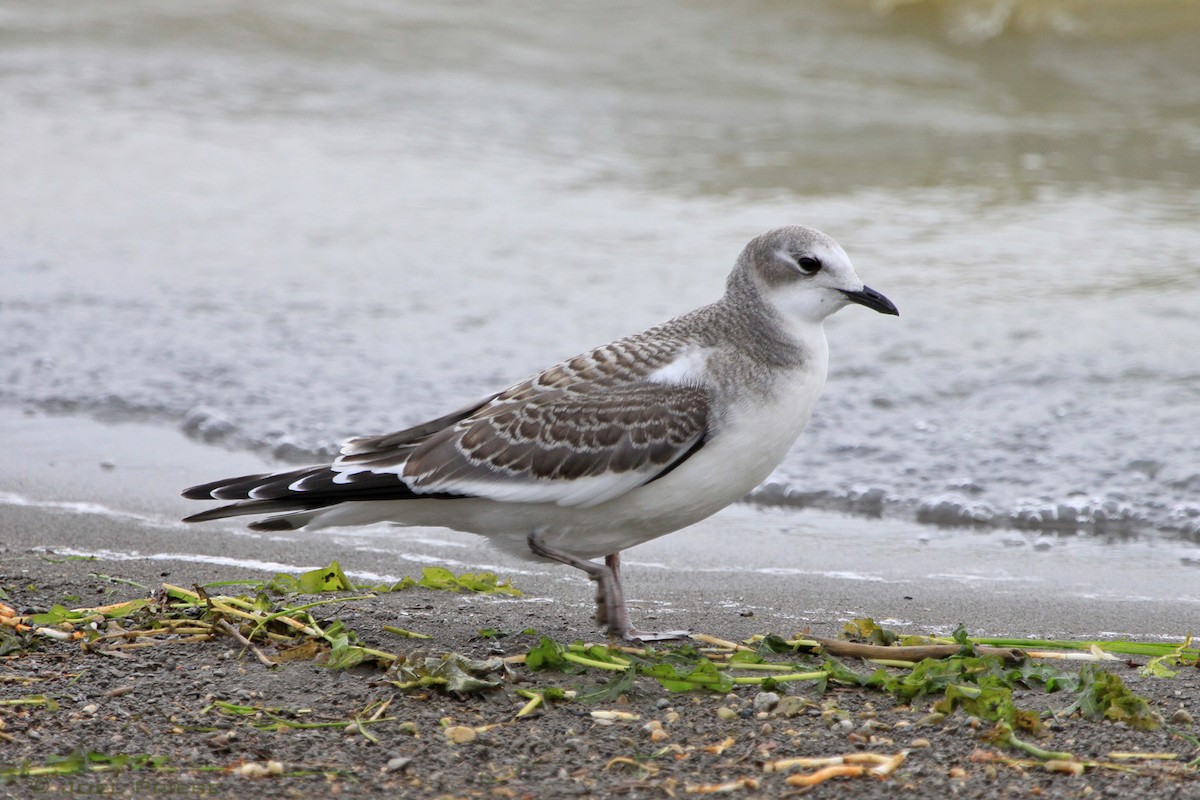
279 225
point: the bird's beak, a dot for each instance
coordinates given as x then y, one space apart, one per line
866 296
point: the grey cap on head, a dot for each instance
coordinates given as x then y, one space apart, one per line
803 269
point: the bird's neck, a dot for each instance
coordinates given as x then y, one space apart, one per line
766 335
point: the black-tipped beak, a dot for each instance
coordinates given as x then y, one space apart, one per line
866 296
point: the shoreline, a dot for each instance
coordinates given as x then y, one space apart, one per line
76 486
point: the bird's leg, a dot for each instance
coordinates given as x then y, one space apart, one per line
610 598
613 562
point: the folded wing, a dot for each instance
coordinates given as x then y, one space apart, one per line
568 447
575 446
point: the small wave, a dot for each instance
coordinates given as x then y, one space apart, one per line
442 561
982 20
209 427
262 566
783 571
198 558
1100 514
867 501
13 499
970 578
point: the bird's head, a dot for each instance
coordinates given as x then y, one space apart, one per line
803 274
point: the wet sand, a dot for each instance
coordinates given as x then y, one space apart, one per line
111 490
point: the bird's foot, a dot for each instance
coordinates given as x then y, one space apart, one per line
611 612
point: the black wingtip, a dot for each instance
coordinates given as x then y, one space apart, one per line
274 524
204 491
205 516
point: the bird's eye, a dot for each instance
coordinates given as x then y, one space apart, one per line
809 265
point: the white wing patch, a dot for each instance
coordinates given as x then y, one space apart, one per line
346 471
687 369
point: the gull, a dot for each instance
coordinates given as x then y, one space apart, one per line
620 445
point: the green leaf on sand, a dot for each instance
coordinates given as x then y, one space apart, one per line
549 654
704 675
865 629
315 581
1103 695
450 673
1160 666
478 582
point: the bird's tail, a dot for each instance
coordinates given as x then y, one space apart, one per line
265 493
298 497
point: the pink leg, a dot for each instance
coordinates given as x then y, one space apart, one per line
610 597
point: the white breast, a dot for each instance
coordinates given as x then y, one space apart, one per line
753 440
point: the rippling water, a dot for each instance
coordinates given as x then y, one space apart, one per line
280 224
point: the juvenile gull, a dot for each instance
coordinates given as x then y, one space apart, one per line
609 449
